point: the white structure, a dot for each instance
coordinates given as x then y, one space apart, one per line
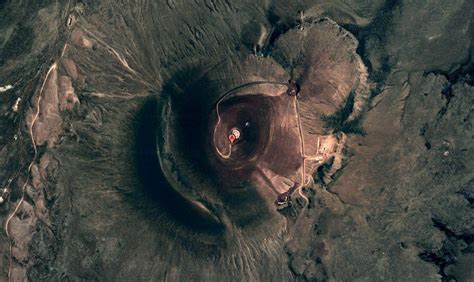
236 133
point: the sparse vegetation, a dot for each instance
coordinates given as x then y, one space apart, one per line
339 122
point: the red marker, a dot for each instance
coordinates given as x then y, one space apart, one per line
234 135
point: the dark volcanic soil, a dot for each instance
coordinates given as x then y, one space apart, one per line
105 116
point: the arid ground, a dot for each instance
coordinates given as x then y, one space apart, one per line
218 140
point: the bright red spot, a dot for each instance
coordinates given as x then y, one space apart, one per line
232 138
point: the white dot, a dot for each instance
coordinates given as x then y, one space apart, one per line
236 133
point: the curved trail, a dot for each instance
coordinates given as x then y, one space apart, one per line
300 134
32 137
227 94
35 156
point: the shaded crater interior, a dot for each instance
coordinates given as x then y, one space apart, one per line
251 116
155 185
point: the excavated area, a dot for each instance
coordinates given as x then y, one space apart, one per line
269 141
